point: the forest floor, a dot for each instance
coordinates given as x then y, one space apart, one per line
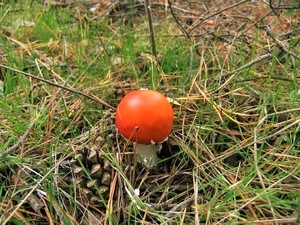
231 70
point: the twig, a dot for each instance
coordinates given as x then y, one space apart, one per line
216 13
177 21
186 34
104 47
24 136
280 44
151 29
60 87
267 77
288 33
91 97
19 142
254 61
289 5
184 203
273 9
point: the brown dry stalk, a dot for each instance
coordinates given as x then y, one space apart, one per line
151 29
48 214
280 44
243 196
109 210
17 215
19 142
216 13
91 97
177 21
247 65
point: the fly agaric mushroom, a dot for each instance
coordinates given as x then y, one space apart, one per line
145 117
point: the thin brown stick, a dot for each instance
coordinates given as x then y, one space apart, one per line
247 65
177 21
151 29
243 196
216 13
91 97
273 9
280 44
19 142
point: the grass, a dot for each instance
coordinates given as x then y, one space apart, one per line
232 158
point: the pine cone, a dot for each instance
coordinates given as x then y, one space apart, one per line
88 170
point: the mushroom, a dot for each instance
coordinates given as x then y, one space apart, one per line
146 118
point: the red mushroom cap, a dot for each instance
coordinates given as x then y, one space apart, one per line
145 116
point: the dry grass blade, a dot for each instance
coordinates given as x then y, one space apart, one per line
230 214
17 207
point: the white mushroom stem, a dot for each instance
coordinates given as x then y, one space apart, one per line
147 154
